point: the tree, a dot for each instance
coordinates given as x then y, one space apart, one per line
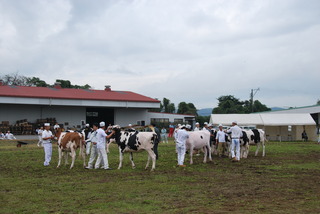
187 108
14 79
230 105
318 102
35 81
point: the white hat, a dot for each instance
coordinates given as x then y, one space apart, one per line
235 122
205 123
87 125
197 123
47 124
210 125
220 125
130 124
182 126
102 124
188 126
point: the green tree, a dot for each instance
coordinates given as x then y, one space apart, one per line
35 81
64 83
187 108
230 105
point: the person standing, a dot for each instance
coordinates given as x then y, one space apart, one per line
236 134
221 141
171 130
130 128
47 145
56 126
197 128
101 147
181 138
93 141
157 140
40 136
164 137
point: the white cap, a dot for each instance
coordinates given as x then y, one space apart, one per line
102 124
205 123
197 123
46 124
87 125
210 125
188 126
182 126
235 122
130 124
220 125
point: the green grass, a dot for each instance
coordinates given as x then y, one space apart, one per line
287 180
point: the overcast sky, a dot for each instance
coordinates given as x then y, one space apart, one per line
184 50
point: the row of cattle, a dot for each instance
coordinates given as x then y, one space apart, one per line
69 142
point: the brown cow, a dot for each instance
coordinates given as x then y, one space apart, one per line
69 142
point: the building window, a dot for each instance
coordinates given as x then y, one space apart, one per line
178 121
92 114
160 121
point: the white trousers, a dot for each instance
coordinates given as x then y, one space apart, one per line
235 148
47 153
181 150
93 155
88 147
102 156
40 141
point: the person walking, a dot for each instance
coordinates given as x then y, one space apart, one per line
101 147
171 130
236 134
47 144
164 137
181 137
221 141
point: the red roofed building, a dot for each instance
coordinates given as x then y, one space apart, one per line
76 107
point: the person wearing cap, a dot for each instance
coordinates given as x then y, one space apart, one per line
181 137
47 145
130 128
101 147
88 131
197 128
93 141
236 134
205 127
56 126
221 141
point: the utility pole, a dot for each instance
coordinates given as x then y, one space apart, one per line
252 94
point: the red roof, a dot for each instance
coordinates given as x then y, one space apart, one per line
71 93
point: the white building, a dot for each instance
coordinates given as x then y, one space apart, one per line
75 107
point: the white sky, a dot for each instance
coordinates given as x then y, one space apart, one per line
184 50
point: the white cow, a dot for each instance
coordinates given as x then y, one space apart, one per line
135 142
199 140
257 137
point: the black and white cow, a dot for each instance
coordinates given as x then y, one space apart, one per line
244 144
135 142
257 137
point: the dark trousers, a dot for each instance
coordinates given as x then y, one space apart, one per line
155 149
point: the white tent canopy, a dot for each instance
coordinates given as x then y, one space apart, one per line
263 119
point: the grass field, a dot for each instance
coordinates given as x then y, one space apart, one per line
287 180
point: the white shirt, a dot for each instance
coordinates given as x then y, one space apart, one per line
10 136
46 134
196 129
221 136
40 132
236 132
93 137
182 136
101 138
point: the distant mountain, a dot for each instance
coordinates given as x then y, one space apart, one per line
204 112
276 108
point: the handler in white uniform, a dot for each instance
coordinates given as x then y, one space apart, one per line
181 138
101 147
46 142
236 134
221 141
40 136
93 152
197 128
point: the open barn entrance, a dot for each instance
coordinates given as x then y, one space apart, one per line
96 115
